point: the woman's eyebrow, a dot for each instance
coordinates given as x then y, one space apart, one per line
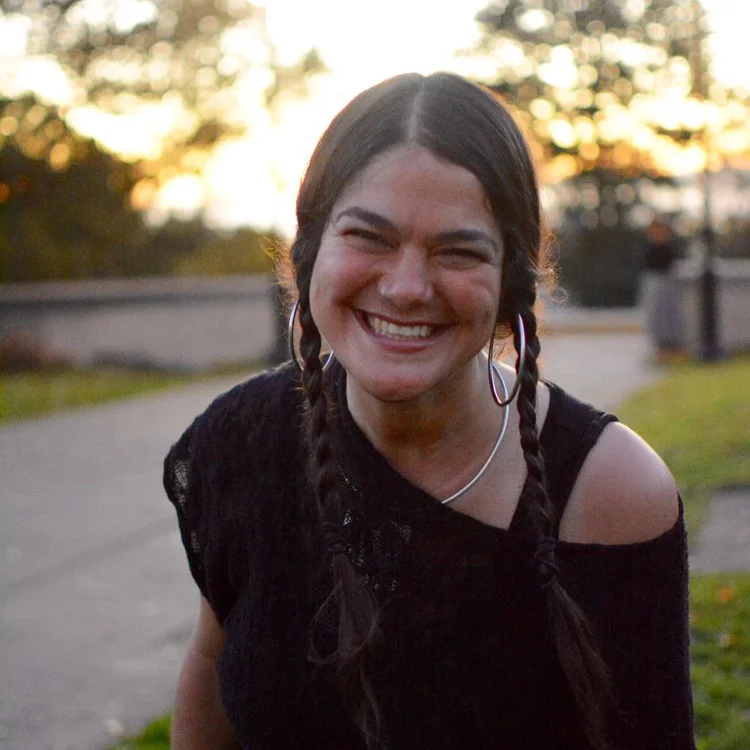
455 235
370 217
468 235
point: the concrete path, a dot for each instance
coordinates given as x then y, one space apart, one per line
724 541
97 603
600 368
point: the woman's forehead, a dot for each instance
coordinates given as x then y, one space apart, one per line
414 172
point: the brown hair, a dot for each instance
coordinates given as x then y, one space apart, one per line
468 126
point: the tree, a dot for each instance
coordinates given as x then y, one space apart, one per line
613 93
601 83
185 56
66 213
242 251
65 209
64 206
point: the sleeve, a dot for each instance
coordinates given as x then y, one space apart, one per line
636 597
187 481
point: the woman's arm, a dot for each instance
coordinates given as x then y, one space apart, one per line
199 720
633 585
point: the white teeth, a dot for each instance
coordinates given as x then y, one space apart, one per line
384 328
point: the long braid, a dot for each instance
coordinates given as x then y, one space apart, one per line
574 639
354 605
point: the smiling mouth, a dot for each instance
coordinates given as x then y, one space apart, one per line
399 332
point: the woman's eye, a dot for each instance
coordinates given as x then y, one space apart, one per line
465 254
366 235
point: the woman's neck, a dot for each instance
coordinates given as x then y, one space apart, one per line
438 437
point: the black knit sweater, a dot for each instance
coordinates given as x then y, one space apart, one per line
465 658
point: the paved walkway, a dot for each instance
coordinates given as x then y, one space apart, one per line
97 604
724 541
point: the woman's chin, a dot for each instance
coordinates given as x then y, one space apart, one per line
392 390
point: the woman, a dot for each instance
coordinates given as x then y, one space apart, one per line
404 544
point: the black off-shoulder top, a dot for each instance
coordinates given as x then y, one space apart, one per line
465 658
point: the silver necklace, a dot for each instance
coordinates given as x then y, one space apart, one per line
486 464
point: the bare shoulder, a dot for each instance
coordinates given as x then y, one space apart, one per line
624 493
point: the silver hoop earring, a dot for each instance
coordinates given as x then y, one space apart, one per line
520 367
292 351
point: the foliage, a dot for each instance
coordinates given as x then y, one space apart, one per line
188 73
66 213
720 625
599 266
242 251
65 207
735 242
615 96
182 57
696 419
584 75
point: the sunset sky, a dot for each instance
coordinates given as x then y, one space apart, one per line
253 180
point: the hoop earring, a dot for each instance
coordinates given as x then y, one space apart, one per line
520 367
292 351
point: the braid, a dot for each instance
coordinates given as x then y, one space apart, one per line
355 607
527 413
574 639
312 382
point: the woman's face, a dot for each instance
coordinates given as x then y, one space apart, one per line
406 284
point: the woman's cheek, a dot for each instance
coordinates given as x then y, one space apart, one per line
348 274
337 277
473 292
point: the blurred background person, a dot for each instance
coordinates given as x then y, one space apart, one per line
660 293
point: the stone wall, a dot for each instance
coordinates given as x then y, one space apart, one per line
733 304
174 323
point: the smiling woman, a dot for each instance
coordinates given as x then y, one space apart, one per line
406 283
392 555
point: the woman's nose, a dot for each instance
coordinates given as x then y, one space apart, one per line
407 281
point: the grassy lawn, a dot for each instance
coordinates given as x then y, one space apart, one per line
36 394
697 418
720 624
154 737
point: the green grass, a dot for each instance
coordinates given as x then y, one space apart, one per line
697 419
36 394
720 625
154 737
33 394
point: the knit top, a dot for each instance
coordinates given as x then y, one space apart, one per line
465 657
